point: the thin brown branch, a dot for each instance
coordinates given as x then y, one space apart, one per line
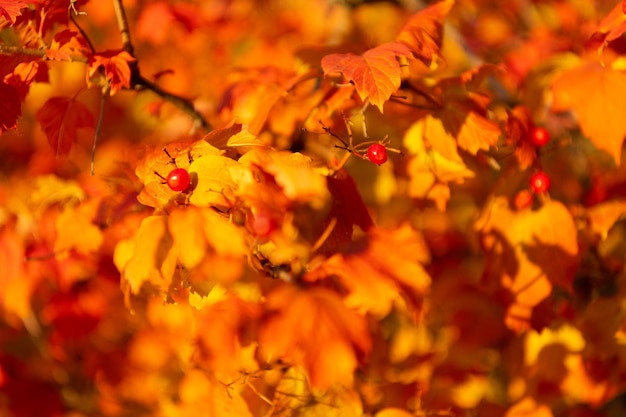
38 53
122 23
139 82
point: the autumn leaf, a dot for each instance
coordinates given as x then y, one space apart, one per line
603 216
10 107
60 119
25 74
293 314
116 68
147 257
76 230
423 33
67 45
10 9
376 74
528 252
597 95
610 28
376 283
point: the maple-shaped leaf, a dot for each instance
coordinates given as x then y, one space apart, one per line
376 74
147 256
423 33
527 253
374 282
341 335
597 95
10 107
610 28
196 231
226 327
25 74
68 45
114 65
60 119
10 9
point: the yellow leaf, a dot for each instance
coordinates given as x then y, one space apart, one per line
75 229
597 95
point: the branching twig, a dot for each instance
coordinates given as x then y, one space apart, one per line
105 92
139 82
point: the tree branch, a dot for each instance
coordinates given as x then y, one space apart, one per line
139 82
37 53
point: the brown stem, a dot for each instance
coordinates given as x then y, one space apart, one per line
38 53
122 23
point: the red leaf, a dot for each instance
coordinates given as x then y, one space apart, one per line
67 45
423 33
60 118
10 9
115 65
376 74
10 107
25 74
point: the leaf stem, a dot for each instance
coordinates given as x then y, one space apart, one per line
105 92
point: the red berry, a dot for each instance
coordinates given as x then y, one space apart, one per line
540 182
377 153
539 136
523 199
179 179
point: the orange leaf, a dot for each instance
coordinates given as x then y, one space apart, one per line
67 45
75 228
341 335
25 74
527 253
10 107
115 65
376 74
423 33
597 95
610 28
147 257
603 216
60 118
10 9
375 277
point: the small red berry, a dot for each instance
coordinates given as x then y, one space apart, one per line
540 182
377 153
523 199
178 179
539 136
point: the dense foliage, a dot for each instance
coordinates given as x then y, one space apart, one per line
312 208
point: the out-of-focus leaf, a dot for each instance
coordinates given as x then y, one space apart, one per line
423 33
597 95
75 229
603 216
527 253
147 257
341 335
376 74
376 282
60 119
10 107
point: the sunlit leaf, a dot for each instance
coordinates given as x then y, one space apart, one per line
375 74
423 33
114 65
292 315
76 230
10 9
596 94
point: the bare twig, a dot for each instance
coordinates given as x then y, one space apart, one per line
38 53
105 93
72 12
139 82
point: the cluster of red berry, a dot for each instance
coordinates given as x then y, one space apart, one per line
539 181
